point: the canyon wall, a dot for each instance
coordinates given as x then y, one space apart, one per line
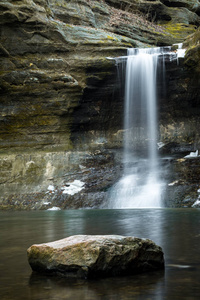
61 104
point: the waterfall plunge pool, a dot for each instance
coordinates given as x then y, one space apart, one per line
175 230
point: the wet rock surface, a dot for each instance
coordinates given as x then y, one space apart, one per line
182 177
178 108
83 182
96 256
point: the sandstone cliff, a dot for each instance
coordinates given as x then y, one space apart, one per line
58 95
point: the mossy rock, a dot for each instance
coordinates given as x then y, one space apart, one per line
179 31
192 57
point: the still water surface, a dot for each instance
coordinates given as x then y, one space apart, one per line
177 231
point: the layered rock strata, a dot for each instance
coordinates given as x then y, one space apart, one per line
59 98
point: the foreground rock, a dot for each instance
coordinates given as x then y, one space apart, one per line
90 256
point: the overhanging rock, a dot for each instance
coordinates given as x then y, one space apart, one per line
89 256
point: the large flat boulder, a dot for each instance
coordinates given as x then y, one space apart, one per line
89 256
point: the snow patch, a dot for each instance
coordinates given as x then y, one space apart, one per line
51 188
196 203
173 183
73 187
160 145
192 154
54 208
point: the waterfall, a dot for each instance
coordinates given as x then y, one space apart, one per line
140 185
140 103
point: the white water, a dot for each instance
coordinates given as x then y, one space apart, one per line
140 185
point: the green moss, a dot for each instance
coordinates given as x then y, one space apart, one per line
178 31
112 38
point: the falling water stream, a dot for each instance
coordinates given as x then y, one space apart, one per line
140 185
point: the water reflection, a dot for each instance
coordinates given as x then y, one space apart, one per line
177 231
65 224
109 288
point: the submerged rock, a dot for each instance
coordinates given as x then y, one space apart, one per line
90 256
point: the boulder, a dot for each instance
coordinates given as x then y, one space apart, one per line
89 256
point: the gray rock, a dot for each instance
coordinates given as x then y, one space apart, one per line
90 256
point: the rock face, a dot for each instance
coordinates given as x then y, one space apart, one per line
179 108
177 18
59 95
94 256
183 179
54 72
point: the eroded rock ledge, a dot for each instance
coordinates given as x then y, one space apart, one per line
88 256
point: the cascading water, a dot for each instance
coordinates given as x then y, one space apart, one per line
140 185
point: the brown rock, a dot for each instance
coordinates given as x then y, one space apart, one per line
96 256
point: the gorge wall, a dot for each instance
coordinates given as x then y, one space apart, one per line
61 105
